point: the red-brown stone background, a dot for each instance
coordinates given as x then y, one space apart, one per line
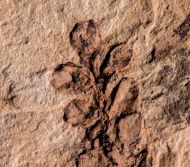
94 83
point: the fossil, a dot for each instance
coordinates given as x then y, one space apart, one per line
107 110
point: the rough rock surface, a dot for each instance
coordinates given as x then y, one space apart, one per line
95 83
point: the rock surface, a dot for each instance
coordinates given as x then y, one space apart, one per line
94 83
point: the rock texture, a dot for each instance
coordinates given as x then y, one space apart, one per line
95 83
